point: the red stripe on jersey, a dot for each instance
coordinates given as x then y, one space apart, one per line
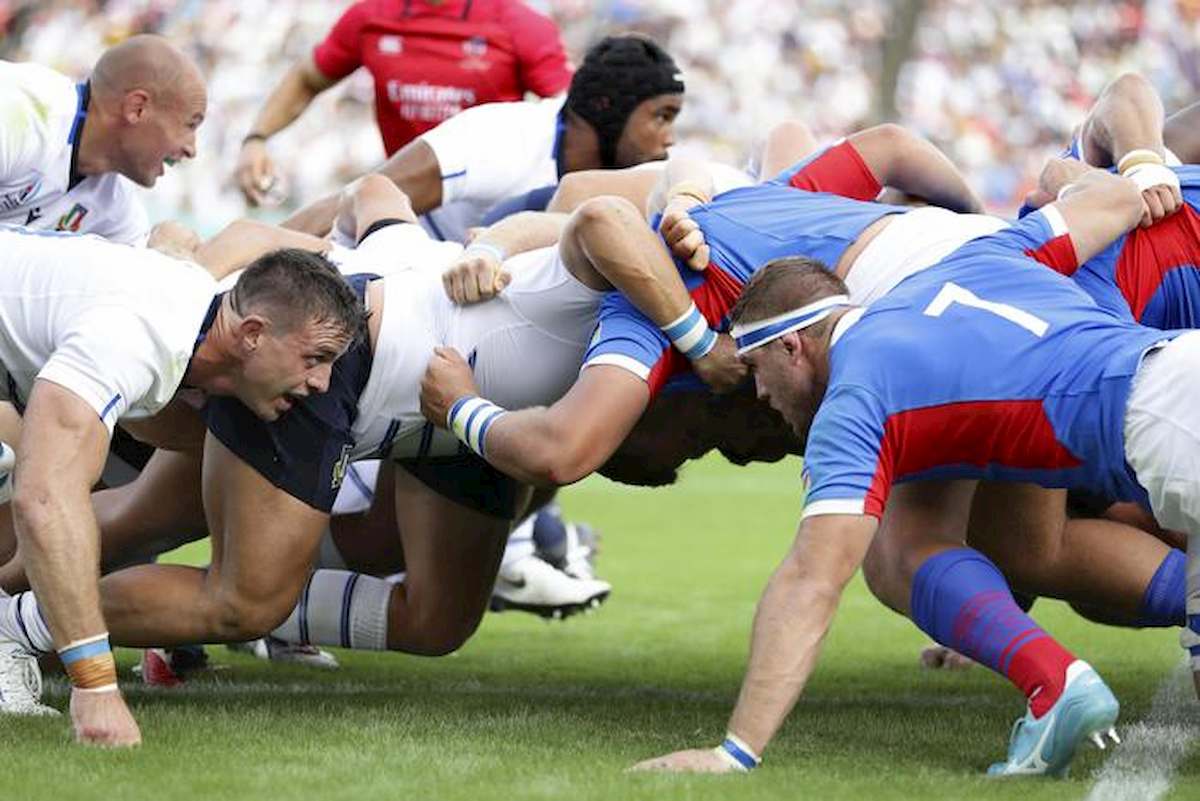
980 433
714 297
1150 253
840 170
1058 254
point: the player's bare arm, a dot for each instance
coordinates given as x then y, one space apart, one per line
793 616
787 143
1097 207
633 184
1124 129
242 241
608 238
295 91
414 169
545 446
60 542
479 274
1181 133
900 159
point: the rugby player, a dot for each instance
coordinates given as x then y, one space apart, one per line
267 506
70 154
86 347
620 111
577 434
1070 395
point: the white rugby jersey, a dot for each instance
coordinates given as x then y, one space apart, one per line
525 346
43 113
114 324
491 153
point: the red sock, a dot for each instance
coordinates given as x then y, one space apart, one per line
1039 668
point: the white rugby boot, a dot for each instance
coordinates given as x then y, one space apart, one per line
532 585
20 682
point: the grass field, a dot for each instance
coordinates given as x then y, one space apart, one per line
546 711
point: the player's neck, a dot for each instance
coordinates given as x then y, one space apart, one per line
581 146
214 362
93 157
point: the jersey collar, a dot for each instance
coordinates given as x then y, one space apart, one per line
843 325
84 93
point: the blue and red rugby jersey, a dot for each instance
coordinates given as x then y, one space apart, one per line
1151 275
746 228
983 366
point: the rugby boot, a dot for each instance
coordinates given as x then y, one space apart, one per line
20 682
1087 709
273 649
532 585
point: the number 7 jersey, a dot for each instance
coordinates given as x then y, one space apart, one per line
986 365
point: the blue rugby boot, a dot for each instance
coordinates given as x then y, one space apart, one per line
1087 709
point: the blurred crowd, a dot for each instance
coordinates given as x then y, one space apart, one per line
998 86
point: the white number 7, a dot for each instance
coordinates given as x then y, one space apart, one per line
953 293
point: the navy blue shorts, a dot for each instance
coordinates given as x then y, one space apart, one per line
305 451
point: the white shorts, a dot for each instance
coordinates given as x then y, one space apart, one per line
358 488
1162 445
910 243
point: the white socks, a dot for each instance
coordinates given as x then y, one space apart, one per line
341 609
22 621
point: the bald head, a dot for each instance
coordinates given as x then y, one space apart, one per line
145 62
148 99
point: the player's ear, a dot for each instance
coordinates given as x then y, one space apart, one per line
135 106
250 331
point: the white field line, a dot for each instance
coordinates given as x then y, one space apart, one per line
1143 767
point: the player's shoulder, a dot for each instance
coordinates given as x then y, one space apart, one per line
33 96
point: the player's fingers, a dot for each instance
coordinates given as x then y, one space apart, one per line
471 285
699 260
456 279
681 230
1153 206
1167 198
503 279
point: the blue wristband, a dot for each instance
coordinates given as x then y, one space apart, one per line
738 753
690 334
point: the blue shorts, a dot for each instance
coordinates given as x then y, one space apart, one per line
305 452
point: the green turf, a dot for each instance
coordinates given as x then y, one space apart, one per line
547 711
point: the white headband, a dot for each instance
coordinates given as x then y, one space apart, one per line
749 336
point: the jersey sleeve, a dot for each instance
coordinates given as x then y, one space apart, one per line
843 456
1041 235
128 222
626 338
837 169
544 68
485 152
108 358
340 53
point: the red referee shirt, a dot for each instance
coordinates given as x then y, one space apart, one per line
431 60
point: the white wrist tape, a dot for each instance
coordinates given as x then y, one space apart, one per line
1145 176
1137 157
495 251
470 418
